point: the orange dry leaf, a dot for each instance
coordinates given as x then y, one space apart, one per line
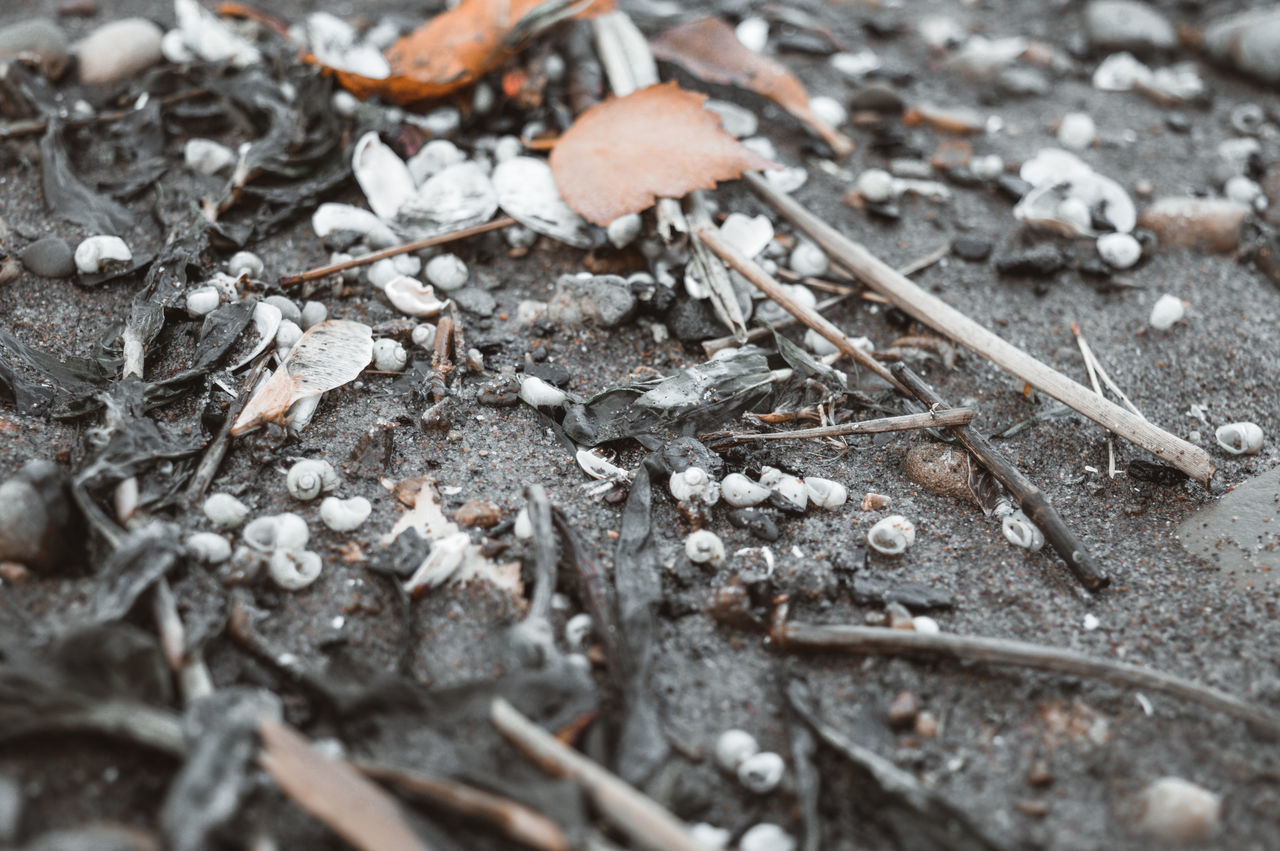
457 47
620 156
709 49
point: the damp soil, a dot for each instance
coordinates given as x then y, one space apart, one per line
1178 611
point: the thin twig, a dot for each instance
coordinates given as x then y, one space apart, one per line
37 126
512 818
937 314
217 448
1034 503
932 419
395 250
194 679
140 723
642 819
1091 367
754 273
757 334
714 275
1001 651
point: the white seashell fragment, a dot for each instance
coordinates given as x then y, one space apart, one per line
245 263
734 746
300 413
1179 812
829 110
623 230
309 478
96 251
266 324
389 355
225 511
447 271
892 535
539 393
294 570
413 298
202 301
741 492
704 547
1167 312
206 36
694 485
344 515
762 772
826 493
335 44
333 218
208 547
598 468
748 234
523 528
433 158
527 192
448 554
808 259
1076 131
987 167
925 624
460 195
1240 438
1021 532
1119 250
577 631
207 156
792 490
382 175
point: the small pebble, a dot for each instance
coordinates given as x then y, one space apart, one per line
288 310
927 725
447 272
389 355
766 837
987 167
903 711
733 747
1167 312
1119 250
875 185
1076 131
1243 190
36 36
478 513
207 156
623 230
202 301
1178 811
118 50
829 110
225 511
971 248
808 260
208 547
50 257
313 313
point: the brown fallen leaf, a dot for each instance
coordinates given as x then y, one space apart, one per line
334 792
329 355
459 46
620 156
709 48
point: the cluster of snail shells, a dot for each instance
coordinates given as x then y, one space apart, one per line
282 539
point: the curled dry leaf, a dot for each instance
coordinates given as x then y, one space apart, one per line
329 355
457 47
622 155
709 49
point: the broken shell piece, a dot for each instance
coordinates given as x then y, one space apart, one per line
741 492
703 547
294 570
266 324
459 196
207 156
332 218
1167 312
577 630
389 355
225 511
1021 532
433 158
892 535
527 192
762 772
694 485
1240 438
382 175
748 234
792 490
875 501
202 301
1178 811
448 554
309 478
245 263
733 747
285 531
208 547
598 468
96 251
539 393
826 493
344 515
412 298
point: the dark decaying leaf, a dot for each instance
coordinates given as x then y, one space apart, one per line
808 366
141 260
137 563
219 332
39 383
67 196
1156 474
984 486
592 590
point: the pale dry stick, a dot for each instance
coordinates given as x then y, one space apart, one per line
714 274
217 448
1090 357
907 422
939 315
1022 654
1090 367
393 251
194 679
518 822
752 271
646 822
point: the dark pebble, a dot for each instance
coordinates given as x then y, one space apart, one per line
791 40
869 591
692 321
1013 188
888 212
50 257
40 525
1178 122
1093 267
971 248
652 297
685 452
755 521
552 373
502 392
880 99
1038 261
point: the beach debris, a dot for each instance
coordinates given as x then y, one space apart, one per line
225 511
1067 195
1178 811
309 478
528 191
705 547
1166 312
205 35
761 772
1208 224
1021 532
892 535
1243 438
345 515
117 51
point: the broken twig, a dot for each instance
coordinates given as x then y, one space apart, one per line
416 245
942 317
217 449
931 419
1030 498
647 823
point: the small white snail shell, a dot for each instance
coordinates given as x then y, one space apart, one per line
694 484
826 493
539 393
294 570
389 356
208 547
710 835
225 511
703 547
202 301
245 263
309 478
762 772
424 335
447 272
577 630
94 251
734 746
523 528
1021 532
313 313
343 515
769 476
411 298
1240 438
792 490
741 492
892 535
285 531
1166 312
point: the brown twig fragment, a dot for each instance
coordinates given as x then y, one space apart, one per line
1033 502
944 318
932 419
416 245
647 823
1002 651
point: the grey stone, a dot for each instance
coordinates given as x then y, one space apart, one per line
118 50
1128 25
475 300
37 516
1024 81
50 257
1250 41
39 36
692 321
10 809
603 300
